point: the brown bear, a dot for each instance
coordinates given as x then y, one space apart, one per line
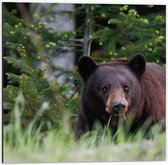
120 88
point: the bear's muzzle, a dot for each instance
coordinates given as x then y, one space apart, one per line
118 107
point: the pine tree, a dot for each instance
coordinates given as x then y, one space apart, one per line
49 100
121 32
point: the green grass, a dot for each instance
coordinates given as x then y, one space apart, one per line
29 144
58 146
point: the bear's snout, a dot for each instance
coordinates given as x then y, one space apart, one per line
118 107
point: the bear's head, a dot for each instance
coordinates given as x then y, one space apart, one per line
113 87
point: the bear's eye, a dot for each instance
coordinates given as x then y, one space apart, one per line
105 89
126 89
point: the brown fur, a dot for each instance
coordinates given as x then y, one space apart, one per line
146 98
153 87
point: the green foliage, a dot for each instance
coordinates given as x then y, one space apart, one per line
57 145
30 80
36 90
126 32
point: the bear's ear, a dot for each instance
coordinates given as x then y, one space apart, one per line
137 64
86 66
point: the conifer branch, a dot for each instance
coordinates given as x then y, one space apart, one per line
33 36
74 92
29 102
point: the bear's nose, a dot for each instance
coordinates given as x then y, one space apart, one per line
118 106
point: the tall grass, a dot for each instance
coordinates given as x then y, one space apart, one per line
59 145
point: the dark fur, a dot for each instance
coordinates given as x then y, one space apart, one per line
146 98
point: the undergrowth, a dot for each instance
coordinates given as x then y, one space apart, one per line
59 145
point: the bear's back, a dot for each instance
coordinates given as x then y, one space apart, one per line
153 86
157 71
